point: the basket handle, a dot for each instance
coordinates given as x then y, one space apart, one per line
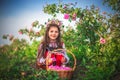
64 50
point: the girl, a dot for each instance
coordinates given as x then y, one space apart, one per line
51 41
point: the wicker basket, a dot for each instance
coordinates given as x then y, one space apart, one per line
63 74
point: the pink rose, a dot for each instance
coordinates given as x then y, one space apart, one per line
65 7
30 30
66 16
37 33
74 16
20 32
102 40
11 37
104 12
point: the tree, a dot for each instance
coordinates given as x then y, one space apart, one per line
115 4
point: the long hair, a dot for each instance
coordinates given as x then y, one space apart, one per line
46 40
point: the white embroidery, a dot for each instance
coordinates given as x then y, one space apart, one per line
42 60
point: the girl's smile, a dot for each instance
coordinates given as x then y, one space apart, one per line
53 33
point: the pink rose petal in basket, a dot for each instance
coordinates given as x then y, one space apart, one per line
59 68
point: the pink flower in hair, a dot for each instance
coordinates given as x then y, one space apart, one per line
66 16
102 40
54 21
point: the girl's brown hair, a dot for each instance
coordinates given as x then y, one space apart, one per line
45 42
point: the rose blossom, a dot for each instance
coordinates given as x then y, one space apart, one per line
74 16
20 32
65 7
104 12
37 33
102 41
66 16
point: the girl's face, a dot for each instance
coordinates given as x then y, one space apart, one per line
53 33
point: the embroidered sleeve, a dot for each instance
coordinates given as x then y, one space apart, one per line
65 54
42 60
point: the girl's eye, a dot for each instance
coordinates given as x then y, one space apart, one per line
56 31
51 31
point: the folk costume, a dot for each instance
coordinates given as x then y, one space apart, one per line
56 57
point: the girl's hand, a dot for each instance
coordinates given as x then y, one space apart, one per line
50 61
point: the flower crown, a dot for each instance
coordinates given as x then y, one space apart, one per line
55 21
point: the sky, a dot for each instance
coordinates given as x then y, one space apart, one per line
19 14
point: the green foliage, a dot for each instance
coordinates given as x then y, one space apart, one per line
50 8
114 4
17 61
